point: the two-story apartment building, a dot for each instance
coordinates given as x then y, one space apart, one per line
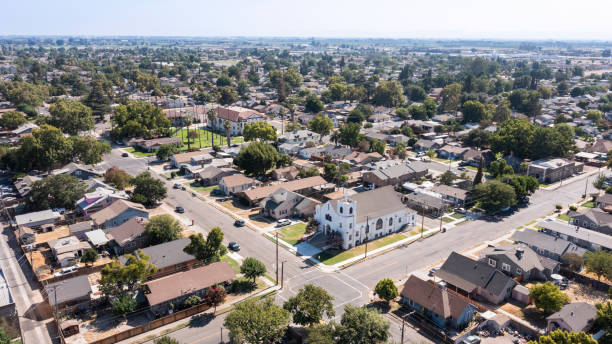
238 117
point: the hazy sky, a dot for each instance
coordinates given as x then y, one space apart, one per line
520 19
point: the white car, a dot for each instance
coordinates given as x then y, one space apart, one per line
283 223
67 270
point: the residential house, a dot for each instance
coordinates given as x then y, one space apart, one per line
364 216
99 199
289 148
78 171
117 213
475 279
472 157
594 219
305 186
425 202
80 228
299 137
68 250
285 173
97 238
238 118
423 145
395 174
601 147
154 144
283 203
24 185
25 129
586 238
168 257
458 197
437 303
196 158
361 158
127 237
520 261
547 245
26 235
452 152
212 175
319 153
573 317
44 219
164 292
232 184
604 202
553 170
70 294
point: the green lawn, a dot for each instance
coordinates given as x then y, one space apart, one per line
138 153
447 219
416 231
292 234
204 139
202 189
563 217
234 264
590 204
330 258
457 216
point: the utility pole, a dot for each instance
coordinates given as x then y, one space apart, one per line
276 236
366 236
283 273
422 222
221 332
403 325
586 184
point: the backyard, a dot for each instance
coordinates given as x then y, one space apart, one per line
203 139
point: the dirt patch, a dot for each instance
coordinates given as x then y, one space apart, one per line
583 293
528 313
57 233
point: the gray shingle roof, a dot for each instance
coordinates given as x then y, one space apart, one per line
546 242
166 254
69 289
578 233
577 315
375 203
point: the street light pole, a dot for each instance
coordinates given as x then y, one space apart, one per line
276 236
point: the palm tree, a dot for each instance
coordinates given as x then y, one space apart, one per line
212 116
227 125
335 136
187 123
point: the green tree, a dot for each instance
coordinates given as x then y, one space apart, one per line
227 95
473 111
59 191
321 125
309 305
252 268
215 296
88 150
400 151
207 250
139 119
117 177
313 103
386 289
162 228
166 151
227 125
389 94
262 131
478 177
257 321
502 112
494 195
447 178
148 190
25 93
378 146
600 181
451 97
123 304
500 168
12 120
477 138
45 149
522 185
98 99
323 334
89 256
116 277
604 316
599 263
71 116
548 297
257 158
573 260
564 337
350 134
4 338
362 326
430 153
191 301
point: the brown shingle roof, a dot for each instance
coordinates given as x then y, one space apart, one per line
167 288
115 209
433 298
129 230
237 179
235 113
294 185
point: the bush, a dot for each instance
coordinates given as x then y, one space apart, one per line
558 206
573 208
191 301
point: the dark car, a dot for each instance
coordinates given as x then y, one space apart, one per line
239 223
180 209
233 246
125 155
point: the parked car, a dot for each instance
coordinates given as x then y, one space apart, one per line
432 271
283 223
461 168
183 188
233 246
67 270
176 186
239 223
125 155
471 340
180 209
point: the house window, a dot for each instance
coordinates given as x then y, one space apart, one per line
379 224
341 210
519 271
492 262
350 225
350 210
328 217
391 222
505 267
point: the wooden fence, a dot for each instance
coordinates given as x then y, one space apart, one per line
582 279
168 319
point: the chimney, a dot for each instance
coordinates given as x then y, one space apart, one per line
442 285
519 252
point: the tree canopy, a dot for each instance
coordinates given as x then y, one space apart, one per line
309 305
548 297
257 321
321 125
262 131
386 289
71 116
257 158
59 191
564 337
494 195
139 119
161 229
207 250
252 268
12 120
148 190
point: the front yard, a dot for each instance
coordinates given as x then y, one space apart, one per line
139 153
292 234
332 257
206 190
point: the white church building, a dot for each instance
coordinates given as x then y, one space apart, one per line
365 216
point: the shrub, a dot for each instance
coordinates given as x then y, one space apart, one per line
191 301
573 208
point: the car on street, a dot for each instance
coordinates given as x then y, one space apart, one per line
233 246
183 188
176 186
283 223
125 155
461 168
180 209
239 223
